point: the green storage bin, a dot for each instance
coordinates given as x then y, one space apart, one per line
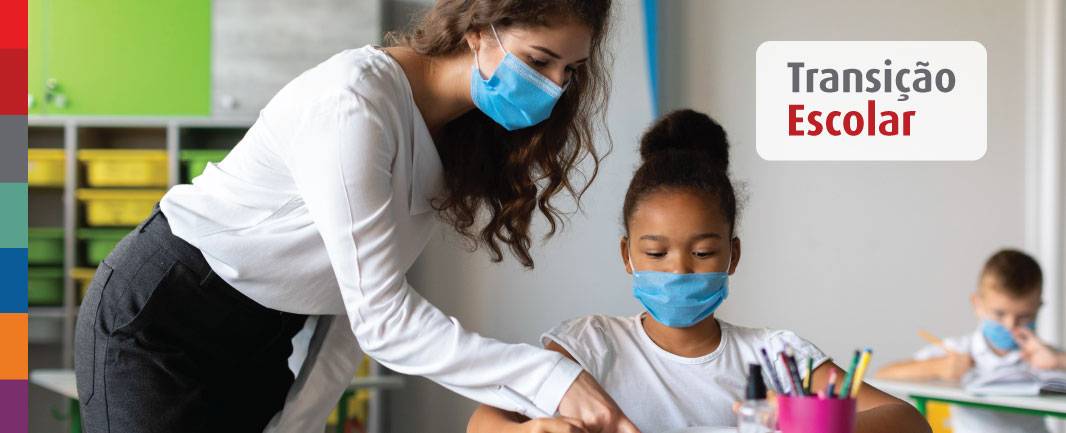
46 286
196 160
100 242
45 246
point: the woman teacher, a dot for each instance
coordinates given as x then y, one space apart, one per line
478 118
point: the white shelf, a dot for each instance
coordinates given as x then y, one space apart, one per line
47 312
141 121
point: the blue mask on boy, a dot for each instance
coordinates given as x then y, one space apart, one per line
680 300
999 336
515 96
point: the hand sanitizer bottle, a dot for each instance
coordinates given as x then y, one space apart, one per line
755 415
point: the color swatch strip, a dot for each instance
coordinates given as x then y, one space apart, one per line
14 317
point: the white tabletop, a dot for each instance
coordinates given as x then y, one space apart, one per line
953 391
59 380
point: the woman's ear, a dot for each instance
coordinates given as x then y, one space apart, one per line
473 39
624 247
735 255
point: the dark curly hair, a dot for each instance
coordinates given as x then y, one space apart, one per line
512 174
684 150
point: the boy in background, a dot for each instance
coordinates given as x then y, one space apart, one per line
1007 300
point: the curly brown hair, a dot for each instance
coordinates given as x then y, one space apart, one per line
512 174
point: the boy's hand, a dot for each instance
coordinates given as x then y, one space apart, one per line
561 424
953 366
1036 353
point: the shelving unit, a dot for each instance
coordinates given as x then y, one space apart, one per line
60 207
52 326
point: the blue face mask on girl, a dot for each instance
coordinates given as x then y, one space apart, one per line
515 96
999 336
680 300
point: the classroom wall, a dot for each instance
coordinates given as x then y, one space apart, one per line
855 254
848 255
578 272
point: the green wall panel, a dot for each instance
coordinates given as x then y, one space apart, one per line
34 59
132 57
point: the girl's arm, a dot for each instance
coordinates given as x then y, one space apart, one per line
878 411
488 419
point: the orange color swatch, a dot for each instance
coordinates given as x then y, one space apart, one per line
14 346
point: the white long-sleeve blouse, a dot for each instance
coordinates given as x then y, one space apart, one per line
321 209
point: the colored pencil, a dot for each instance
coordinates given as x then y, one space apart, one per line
930 338
769 366
832 383
857 380
795 391
808 382
793 370
845 385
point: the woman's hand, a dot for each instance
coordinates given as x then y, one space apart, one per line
560 424
588 402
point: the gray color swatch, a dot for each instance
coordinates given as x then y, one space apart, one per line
13 145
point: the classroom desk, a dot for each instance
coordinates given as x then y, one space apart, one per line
62 381
923 392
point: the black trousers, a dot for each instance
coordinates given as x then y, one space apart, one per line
163 344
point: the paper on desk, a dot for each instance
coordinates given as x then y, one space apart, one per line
1014 382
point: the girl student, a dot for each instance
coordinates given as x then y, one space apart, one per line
676 365
479 117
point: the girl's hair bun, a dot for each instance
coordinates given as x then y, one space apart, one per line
686 130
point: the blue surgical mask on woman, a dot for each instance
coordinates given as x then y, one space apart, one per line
515 96
680 300
999 336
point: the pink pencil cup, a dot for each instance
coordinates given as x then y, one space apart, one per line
815 415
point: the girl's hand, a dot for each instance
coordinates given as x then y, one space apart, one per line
954 366
1036 353
561 424
587 401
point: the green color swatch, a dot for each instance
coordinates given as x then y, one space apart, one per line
13 215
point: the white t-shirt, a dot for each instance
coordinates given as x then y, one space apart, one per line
971 420
660 391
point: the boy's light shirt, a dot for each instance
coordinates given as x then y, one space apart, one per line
971 420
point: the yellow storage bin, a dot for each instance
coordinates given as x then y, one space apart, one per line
46 167
82 277
118 207
939 416
120 167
